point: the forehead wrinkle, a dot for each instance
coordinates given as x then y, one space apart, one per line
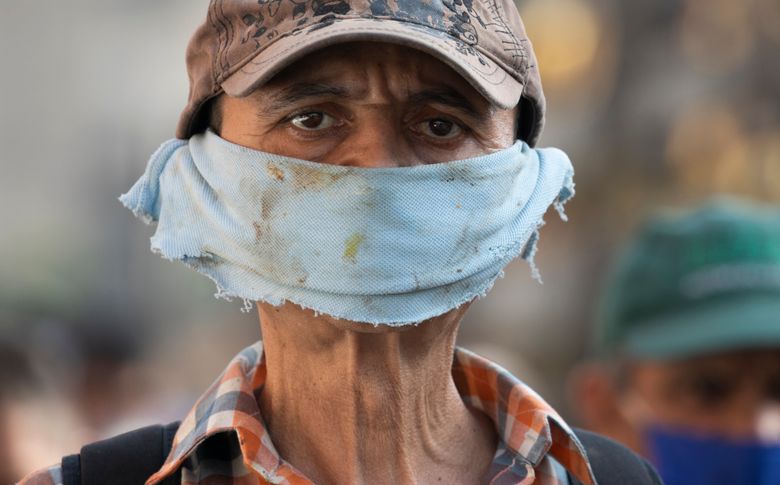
316 71
413 79
293 93
396 73
281 96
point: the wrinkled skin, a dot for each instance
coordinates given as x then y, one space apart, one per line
368 105
347 402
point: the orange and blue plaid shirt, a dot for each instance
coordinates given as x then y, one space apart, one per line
223 439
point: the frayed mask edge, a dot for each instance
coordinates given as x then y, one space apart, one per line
532 246
142 197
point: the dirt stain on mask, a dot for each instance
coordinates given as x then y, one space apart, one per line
312 178
269 249
275 172
351 247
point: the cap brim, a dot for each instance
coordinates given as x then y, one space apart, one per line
728 324
484 74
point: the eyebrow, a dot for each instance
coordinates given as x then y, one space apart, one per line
300 91
443 96
451 99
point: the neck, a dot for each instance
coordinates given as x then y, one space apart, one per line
352 403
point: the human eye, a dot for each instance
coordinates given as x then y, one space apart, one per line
712 390
439 128
312 121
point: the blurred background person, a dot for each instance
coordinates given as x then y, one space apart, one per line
64 380
16 379
687 363
661 102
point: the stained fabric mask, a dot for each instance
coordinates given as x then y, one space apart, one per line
387 246
685 458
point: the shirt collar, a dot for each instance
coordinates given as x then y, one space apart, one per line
527 425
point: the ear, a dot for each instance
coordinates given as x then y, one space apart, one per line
595 400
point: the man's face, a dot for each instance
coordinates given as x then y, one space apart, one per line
734 394
368 105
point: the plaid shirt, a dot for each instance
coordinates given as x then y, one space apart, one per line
223 439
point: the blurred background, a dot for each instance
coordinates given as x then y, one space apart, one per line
659 103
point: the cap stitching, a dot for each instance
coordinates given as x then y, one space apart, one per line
494 8
213 20
210 19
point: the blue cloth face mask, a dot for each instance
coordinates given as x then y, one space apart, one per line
387 246
685 458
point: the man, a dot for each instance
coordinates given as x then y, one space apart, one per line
688 372
320 192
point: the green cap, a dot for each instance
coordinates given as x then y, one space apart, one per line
703 281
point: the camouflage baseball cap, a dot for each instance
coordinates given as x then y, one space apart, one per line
243 43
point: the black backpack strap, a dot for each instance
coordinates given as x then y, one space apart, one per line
613 463
71 470
128 459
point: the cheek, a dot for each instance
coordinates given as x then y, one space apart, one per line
279 143
257 136
659 404
468 148
674 407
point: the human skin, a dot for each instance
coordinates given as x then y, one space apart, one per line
733 395
349 402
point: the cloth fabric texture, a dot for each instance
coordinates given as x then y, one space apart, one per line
224 435
614 464
685 457
389 246
120 459
611 462
223 440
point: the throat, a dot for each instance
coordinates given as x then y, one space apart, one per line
374 407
